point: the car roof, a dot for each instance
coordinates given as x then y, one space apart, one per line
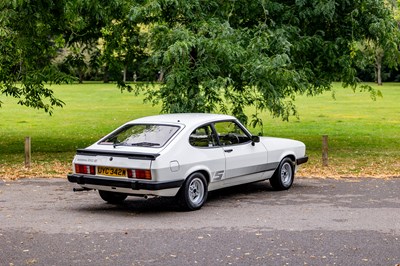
188 119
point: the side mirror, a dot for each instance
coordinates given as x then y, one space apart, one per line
255 139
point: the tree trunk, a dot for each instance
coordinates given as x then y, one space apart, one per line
125 69
379 74
378 66
105 76
160 76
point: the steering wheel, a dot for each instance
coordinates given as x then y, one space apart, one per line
234 139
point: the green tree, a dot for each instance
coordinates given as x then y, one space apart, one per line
30 36
33 34
215 55
226 55
383 50
123 47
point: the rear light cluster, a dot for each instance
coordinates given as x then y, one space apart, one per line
139 174
85 169
132 173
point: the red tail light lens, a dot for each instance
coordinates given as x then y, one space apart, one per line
143 174
139 174
85 169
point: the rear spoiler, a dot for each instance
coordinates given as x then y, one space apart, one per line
129 155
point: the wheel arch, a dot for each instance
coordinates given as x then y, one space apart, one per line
291 156
199 169
206 175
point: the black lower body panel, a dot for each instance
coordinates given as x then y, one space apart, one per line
123 183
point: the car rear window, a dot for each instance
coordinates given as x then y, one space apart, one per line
141 135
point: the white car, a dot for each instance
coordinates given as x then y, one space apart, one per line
183 156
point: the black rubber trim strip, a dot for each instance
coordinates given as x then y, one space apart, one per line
124 183
129 155
302 160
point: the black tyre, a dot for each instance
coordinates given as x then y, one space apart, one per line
112 197
194 192
283 177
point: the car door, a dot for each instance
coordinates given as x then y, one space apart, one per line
209 154
245 161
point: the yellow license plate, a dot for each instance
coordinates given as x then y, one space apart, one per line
111 171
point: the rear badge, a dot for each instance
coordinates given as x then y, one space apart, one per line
111 158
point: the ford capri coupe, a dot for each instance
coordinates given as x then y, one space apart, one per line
183 156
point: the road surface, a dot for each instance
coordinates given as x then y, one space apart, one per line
316 222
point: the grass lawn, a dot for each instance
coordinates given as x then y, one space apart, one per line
364 135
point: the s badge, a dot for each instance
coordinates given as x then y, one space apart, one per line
218 175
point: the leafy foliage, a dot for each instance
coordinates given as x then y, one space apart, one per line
27 50
227 55
33 34
213 56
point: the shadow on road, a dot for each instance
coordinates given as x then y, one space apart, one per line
219 198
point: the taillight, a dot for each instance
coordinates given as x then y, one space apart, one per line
85 169
139 174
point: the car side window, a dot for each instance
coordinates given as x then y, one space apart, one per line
203 137
230 133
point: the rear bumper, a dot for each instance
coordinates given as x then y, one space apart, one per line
302 160
123 183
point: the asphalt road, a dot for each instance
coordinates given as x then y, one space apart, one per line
317 222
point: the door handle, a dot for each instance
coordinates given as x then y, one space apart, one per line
230 150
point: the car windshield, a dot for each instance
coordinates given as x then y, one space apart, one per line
143 135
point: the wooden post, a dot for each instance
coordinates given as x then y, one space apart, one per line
27 152
325 150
